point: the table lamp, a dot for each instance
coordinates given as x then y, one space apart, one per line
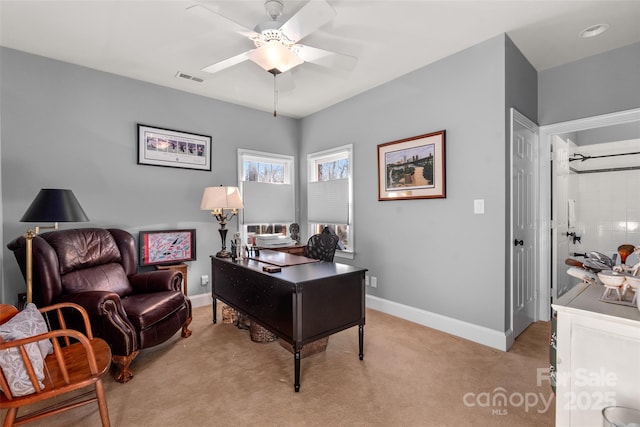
50 205
216 200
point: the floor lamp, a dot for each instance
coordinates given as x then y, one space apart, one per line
50 205
217 200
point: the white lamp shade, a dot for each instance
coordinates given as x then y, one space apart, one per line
221 198
275 56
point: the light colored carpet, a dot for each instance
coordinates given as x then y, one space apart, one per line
410 376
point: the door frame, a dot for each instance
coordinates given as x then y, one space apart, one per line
544 238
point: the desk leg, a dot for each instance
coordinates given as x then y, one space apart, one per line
296 370
361 341
214 304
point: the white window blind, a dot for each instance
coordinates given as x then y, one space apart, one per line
328 201
266 203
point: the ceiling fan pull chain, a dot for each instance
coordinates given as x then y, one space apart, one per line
275 95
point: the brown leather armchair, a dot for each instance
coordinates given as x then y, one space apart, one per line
97 269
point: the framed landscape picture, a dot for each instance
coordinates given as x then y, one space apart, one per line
412 168
172 148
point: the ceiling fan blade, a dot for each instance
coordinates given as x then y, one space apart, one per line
325 58
312 16
205 13
229 62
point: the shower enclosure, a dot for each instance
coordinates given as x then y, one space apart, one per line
595 204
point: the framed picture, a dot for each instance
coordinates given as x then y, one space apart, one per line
412 168
172 148
165 247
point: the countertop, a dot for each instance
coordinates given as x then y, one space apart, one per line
589 300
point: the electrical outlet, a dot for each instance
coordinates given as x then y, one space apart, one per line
374 282
204 280
366 280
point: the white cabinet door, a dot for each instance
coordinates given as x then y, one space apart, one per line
598 365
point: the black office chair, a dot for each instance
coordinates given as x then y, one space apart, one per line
322 246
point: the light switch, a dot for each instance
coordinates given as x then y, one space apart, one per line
478 206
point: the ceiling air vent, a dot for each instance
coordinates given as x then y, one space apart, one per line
188 77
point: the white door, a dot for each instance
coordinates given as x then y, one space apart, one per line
560 280
524 217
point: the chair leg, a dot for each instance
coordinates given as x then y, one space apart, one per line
102 404
10 417
186 333
122 362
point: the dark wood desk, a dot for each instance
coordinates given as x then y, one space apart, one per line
300 304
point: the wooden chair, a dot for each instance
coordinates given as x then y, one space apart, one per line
78 361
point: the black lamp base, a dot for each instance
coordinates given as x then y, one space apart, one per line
223 254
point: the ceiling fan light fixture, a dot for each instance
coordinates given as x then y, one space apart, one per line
274 56
593 30
268 35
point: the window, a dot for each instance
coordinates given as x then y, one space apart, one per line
330 195
267 187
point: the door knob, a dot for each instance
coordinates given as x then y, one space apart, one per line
518 242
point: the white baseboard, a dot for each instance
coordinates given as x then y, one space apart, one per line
200 300
480 334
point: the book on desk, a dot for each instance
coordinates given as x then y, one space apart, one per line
270 241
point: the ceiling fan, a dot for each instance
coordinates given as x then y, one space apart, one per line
276 43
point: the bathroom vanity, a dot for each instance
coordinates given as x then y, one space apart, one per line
597 359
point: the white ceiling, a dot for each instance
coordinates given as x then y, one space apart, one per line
151 40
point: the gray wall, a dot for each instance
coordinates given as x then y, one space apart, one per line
620 132
65 126
601 84
432 254
521 82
